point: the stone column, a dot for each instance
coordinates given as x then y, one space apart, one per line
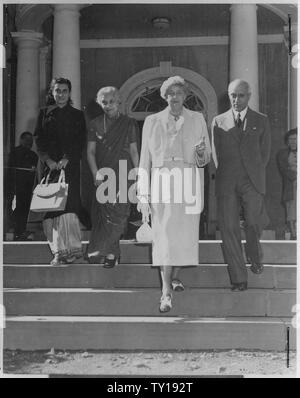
244 48
27 97
66 47
294 64
44 54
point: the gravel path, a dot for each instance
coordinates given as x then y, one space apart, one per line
150 363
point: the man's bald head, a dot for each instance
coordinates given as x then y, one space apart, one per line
239 93
237 83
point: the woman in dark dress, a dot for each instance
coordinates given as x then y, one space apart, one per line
112 138
287 163
60 137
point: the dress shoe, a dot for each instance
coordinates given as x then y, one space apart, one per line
256 268
177 285
110 262
239 287
165 303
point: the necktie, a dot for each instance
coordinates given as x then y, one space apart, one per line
239 120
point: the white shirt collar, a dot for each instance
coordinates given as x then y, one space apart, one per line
242 113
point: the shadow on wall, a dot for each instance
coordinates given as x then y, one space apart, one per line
92 110
223 103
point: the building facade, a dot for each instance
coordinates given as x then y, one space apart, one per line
136 46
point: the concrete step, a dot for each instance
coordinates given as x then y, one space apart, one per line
145 302
210 252
138 276
146 333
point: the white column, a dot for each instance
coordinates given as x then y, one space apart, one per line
244 48
294 60
66 47
44 52
27 97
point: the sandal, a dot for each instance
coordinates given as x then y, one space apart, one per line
57 260
177 285
165 303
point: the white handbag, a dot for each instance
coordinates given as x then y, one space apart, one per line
144 233
50 196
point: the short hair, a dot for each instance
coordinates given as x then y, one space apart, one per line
173 81
290 133
26 133
239 82
57 80
108 90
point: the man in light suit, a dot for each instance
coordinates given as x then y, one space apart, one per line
241 144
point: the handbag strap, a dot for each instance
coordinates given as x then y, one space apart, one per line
45 180
62 177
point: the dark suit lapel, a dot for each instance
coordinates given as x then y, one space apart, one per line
249 126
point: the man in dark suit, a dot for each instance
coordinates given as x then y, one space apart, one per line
22 163
241 142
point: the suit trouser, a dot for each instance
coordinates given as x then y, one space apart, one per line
229 223
23 199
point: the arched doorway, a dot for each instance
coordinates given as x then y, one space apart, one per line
141 97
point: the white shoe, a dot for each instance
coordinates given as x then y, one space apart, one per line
165 303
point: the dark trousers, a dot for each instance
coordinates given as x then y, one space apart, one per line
23 199
229 206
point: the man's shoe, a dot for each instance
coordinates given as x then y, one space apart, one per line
257 268
110 262
239 287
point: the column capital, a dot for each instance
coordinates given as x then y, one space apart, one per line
28 38
72 8
242 6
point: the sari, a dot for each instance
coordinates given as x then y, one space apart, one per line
109 220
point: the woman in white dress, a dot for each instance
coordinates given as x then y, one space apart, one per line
175 144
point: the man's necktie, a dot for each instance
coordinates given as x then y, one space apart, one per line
239 120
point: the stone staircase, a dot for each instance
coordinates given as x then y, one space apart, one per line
85 306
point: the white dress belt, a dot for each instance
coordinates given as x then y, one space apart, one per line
172 158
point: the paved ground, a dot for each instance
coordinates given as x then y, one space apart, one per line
150 363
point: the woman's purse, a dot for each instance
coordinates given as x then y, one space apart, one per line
50 196
144 233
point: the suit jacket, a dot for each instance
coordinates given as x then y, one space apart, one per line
154 143
233 150
288 175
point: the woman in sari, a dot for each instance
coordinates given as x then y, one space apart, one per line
60 137
174 144
112 144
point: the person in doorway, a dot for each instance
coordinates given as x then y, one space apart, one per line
174 144
287 164
22 168
60 137
112 143
241 143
